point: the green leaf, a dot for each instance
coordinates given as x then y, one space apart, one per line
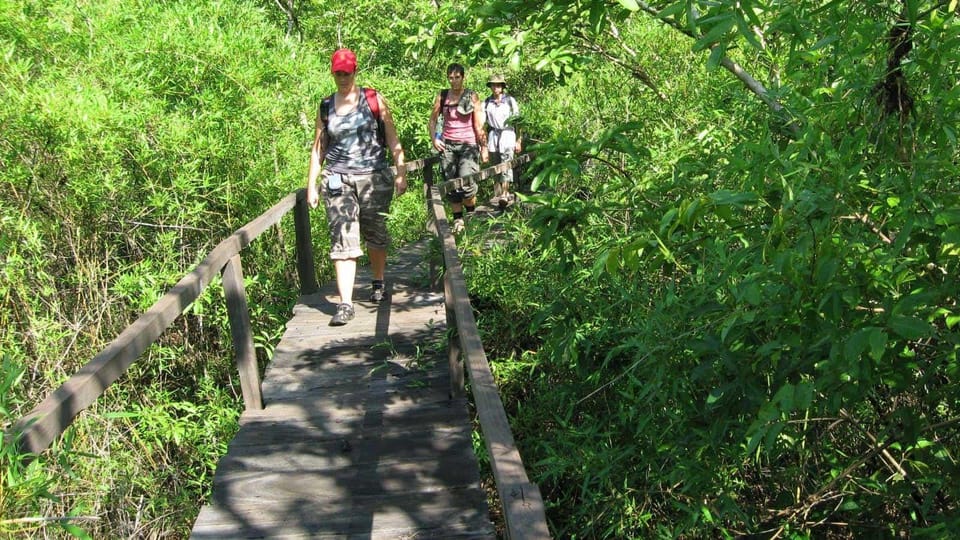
784 398
803 395
952 321
948 217
597 13
707 516
910 327
76 532
671 10
878 343
632 5
855 344
716 55
747 32
733 198
715 35
823 42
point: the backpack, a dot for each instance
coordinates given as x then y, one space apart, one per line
326 109
466 96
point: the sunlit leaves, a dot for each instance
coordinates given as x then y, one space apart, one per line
562 158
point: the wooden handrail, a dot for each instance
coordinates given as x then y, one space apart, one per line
457 183
46 422
523 508
56 412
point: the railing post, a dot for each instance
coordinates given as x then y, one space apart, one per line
427 183
301 224
239 316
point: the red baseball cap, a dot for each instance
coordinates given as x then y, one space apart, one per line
344 60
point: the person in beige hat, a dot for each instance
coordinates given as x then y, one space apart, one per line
503 140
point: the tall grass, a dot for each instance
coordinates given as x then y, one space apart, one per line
135 136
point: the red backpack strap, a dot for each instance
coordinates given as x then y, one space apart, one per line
373 102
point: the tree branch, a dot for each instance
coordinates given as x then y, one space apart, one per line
752 84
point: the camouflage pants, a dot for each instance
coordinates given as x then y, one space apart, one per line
357 210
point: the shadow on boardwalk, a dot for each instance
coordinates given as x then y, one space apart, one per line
359 437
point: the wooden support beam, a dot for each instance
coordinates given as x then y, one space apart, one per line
301 225
236 296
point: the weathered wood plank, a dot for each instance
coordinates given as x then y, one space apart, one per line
406 515
355 426
368 478
331 451
359 437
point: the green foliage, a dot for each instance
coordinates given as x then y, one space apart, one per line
713 319
747 329
135 136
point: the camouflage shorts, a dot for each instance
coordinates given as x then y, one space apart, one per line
357 211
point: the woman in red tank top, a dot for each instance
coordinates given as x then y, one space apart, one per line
461 141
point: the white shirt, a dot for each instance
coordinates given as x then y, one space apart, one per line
501 137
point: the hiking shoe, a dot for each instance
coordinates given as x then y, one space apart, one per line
343 316
504 201
458 226
376 296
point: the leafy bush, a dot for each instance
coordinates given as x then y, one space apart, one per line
750 323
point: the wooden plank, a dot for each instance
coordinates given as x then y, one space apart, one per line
390 384
328 450
362 479
405 515
396 397
427 421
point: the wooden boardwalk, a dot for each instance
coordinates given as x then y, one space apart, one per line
358 437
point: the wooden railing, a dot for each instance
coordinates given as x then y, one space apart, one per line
522 503
56 412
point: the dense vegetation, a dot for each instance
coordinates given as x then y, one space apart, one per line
737 300
742 313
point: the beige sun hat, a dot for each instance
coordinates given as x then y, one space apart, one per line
496 79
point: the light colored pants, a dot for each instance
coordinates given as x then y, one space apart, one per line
497 158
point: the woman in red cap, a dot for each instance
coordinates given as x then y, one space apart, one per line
350 154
